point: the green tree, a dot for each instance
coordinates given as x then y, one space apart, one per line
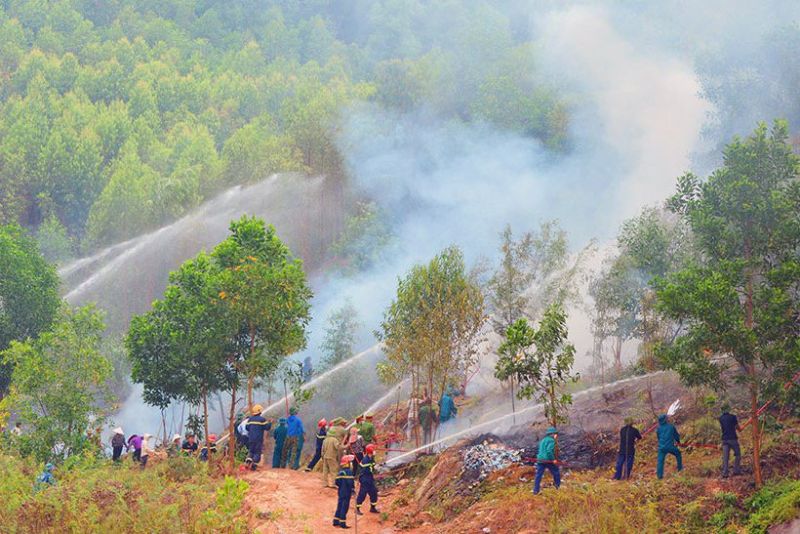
541 360
432 327
340 336
738 302
60 383
29 300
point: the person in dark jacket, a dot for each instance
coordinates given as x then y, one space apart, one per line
628 436
117 444
189 446
209 448
730 441
546 460
346 484
321 433
366 479
668 438
256 426
279 435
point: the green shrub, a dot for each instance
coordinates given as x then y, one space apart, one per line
773 504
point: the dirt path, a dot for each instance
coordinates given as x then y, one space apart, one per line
293 502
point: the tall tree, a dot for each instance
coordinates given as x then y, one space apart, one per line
739 302
340 335
29 300
60 383
542 360
432 327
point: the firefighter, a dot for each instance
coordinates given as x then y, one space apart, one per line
321 433
366 479
330 457
256 426
346 484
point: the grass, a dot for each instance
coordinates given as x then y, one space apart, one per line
93 495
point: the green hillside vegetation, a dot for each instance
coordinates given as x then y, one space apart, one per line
118 116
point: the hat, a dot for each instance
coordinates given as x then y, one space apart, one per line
293 410
359 418
118 430
257 409
370 448
176 437
368 416
347 459
49 467
322 423
550 431
212 437
282 421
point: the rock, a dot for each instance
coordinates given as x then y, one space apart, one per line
486 530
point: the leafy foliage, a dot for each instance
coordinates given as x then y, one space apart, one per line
59 384
541 360
340 335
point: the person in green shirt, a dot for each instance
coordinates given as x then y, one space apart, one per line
367 429
546 460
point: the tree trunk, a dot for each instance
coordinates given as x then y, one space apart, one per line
231 431
513 407
205 422
748 323
618 354
250 376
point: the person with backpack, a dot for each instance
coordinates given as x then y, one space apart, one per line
628 436
668 438
117 444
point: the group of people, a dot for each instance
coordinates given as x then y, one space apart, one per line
346 453
140 447
430 415
668 442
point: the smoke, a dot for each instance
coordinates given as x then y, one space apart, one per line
636 116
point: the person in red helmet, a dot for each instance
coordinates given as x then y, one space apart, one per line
346 484
366 478
322 431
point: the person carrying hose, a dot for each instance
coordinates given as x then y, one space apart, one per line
668 437
321 433
628 436
279 435
345 482
331 448
256 426
366 479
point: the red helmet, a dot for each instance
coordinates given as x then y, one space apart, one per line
322 423
212 437
370 448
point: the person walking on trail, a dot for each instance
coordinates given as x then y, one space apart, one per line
447 408
294 431
331 448
256 427
117 444
322 431
279 435
546 460
730 442
174 448
345 481
189 445
135 443
367 429
148 446
366 479
668 437
628 436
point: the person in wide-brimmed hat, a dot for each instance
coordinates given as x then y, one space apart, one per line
117 444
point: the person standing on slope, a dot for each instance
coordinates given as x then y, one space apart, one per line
294 431
730 441
331 448
117 444
345 481
628 436
366 479
546 460
256 426
321 433
279 435
668 437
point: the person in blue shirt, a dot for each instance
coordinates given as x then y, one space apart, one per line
366 479
256 426
668 437
546 460
292 447
46 478
322 432
345 482
447 408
